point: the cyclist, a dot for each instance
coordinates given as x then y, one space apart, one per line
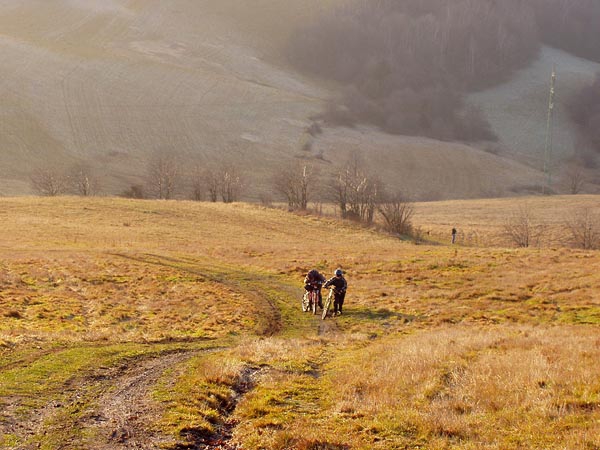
339 290
314 281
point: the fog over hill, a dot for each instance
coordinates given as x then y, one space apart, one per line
113 83
518 108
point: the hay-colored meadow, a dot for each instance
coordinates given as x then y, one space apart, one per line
465 346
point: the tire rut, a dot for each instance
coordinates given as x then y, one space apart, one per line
114 404
124 412
222 439
328 326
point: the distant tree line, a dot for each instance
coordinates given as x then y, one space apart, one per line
406 65
358 194
169 177
582 226
78 179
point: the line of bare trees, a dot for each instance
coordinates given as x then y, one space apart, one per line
582 229
79 179
168 178
357 193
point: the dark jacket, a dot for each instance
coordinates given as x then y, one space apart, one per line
339 284
314 277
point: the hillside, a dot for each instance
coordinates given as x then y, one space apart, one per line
518 108
111 84
160 324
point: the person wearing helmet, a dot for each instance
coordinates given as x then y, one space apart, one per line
339 290
314 281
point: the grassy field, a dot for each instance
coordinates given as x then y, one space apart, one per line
146 324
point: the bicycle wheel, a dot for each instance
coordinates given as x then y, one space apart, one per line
327 305
314 301
305 302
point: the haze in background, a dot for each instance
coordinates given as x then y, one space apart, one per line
110 84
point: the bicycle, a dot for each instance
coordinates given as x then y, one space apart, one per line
310 301
327 305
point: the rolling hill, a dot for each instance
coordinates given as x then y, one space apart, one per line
112 83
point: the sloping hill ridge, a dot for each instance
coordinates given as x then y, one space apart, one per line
518 109
111 83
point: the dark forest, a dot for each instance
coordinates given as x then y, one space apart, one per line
406 66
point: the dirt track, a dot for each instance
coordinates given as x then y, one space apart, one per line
125 411
119 409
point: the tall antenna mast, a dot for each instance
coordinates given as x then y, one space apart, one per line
548 146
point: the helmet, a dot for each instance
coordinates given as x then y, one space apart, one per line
338 272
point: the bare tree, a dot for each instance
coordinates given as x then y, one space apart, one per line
134 191
230 183
521 228
340 186
82 180
163 175
397 214
585 229
575 178
212 183
197 183
48 182
355 191
222 180
296 183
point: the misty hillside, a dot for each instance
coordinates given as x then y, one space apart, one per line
518 108
112 83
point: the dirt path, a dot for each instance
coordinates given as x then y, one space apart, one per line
328 326
124 413
114 405
222 440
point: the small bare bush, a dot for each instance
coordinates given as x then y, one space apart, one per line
134 191
297 184
522 229
585 229
82 181
356 191
574 179
48 182
163 175
397 214
224 181
230 183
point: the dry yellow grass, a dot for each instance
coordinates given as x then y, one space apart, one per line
494 387
481 222
439 347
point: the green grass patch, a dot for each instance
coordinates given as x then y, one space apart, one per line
198 396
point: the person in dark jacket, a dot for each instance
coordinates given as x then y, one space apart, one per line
314 281
339 291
